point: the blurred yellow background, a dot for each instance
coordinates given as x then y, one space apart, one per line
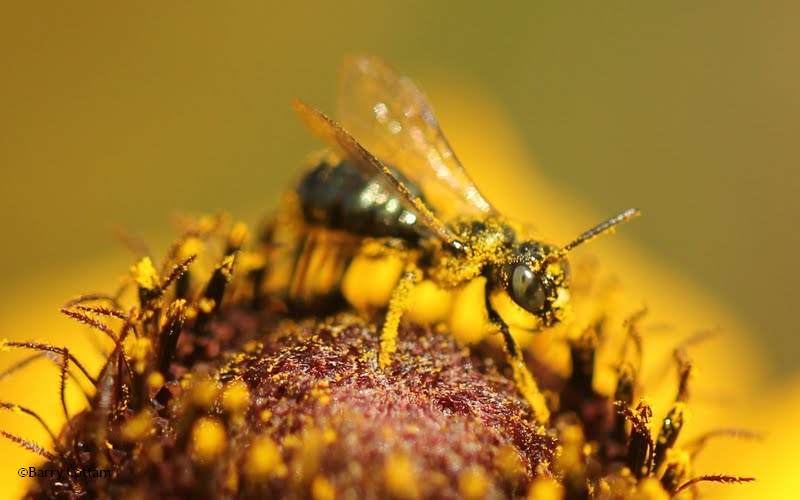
117 117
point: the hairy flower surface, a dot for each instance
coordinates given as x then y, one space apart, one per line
213 389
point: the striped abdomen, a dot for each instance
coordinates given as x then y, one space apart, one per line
341 197
317 238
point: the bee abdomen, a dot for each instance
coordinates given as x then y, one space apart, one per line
341 197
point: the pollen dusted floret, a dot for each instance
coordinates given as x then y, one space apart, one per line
155 380
400 475
145 274
137 427
208 440
239 399
546 488
236 397
473 484
203 391
264 460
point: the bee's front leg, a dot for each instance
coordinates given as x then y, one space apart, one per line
398 303
522 376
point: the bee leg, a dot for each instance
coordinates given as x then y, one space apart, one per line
522 376
397 306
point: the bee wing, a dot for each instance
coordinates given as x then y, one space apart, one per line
346 146
391 117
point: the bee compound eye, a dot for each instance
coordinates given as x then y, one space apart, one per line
527 289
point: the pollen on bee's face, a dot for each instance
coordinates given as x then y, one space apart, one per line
562 298
562 304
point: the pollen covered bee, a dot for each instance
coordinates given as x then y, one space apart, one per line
388 219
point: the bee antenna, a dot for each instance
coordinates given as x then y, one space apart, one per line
602 228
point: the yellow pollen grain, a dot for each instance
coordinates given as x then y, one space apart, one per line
650 489
473 483
249 261
400 477
322 392
137 427
155 380
191 246
572 441
139 351
679 461
251 346
545 488
265 415
203 392
208 223
509 462
412 429
232 480
329 436
176 308
678 457
291 441
310 446
264 459
226 266
563 298
208 440
603 489
239 235
236 397
206 305
322 489
145 275
387 433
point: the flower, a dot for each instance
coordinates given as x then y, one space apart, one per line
212 403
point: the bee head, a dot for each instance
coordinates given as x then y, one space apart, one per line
536 276
537 279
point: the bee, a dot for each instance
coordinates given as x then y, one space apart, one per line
388 219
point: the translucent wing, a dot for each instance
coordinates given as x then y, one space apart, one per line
391 117
346 146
